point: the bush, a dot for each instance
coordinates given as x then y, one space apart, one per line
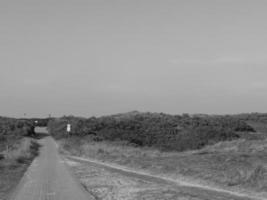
167 132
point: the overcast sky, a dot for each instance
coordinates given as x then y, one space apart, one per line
99 57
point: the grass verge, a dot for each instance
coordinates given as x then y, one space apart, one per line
15 162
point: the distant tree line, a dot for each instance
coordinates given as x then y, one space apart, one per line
159 130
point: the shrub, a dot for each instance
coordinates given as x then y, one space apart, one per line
167 132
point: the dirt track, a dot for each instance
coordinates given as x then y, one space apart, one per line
107 181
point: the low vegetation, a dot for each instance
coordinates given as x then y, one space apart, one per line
162 131
256 120
238 165
16 152
222 151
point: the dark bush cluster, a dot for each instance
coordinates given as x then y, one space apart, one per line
166 132
11 128
42 122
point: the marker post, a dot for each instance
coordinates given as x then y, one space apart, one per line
68 129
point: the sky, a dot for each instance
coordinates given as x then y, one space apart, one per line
99 57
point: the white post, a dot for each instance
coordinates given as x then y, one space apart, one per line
68 129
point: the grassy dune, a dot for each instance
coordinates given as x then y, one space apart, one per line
235 165
222 151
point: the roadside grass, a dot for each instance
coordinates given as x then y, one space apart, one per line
15 162
236 165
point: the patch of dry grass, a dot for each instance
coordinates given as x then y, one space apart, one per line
107 185
238 165
15 163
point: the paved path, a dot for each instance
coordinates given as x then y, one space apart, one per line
48 178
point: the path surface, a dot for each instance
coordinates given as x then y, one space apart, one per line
48 178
